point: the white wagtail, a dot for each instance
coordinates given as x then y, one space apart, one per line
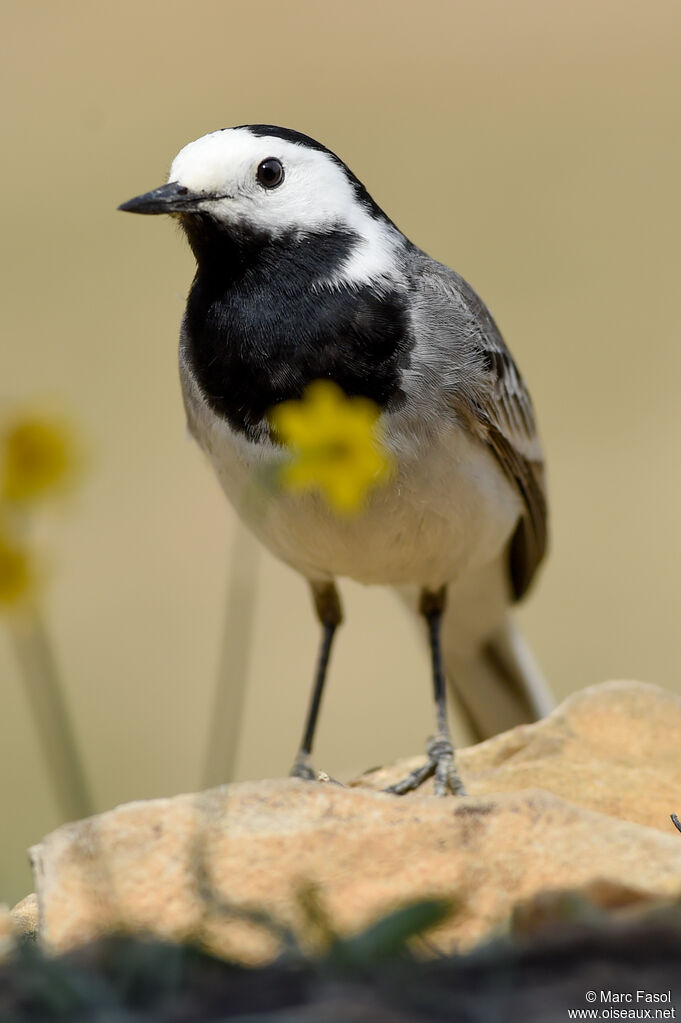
301 276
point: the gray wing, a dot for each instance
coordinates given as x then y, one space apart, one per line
488 393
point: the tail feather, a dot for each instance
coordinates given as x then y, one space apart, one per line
498 685
517 660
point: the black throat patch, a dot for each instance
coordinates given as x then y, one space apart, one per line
259 327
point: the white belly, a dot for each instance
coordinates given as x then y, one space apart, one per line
448 510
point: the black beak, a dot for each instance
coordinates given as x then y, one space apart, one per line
170 198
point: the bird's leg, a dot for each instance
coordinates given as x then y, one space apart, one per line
330 614
440 750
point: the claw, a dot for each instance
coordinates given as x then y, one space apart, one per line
413 780
441 764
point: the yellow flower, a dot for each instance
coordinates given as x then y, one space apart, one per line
17 575
335 445
39 455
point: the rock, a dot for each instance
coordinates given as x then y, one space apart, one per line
25 917
580 801
21 922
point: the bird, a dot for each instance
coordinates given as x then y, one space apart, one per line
301 276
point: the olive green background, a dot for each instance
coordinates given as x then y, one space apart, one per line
535 146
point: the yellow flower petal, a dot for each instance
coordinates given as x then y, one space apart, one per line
39 456
335 445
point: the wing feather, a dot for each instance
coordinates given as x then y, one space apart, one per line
497 407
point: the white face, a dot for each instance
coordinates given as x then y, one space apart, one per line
314 194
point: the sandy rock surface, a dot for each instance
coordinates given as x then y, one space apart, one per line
578 801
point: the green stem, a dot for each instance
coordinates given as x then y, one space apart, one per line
228 702
47 703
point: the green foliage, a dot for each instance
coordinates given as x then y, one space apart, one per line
373 977
388 939
124 978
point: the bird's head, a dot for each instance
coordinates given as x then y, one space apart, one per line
266 182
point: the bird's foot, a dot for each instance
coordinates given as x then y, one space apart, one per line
304 770
440 764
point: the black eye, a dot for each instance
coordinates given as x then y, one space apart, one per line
270 173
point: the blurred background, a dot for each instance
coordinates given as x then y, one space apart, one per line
533 146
